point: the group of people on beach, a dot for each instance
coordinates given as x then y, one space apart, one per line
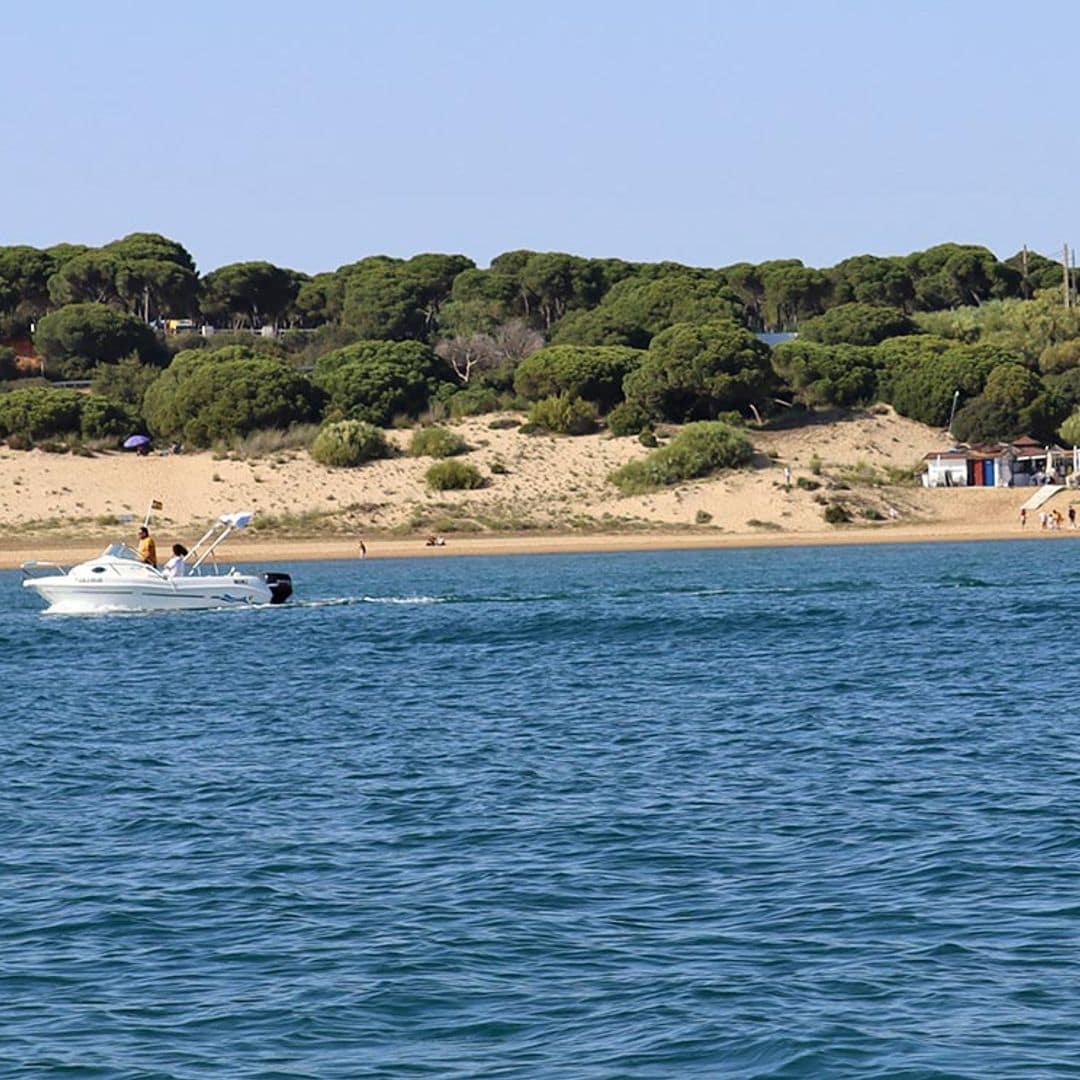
1050 519
174 567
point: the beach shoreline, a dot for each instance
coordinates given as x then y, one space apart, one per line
540 495
249 552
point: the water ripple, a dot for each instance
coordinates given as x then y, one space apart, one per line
793 813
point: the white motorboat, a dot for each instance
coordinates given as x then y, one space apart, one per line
118 580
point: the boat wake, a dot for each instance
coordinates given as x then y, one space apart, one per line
348 601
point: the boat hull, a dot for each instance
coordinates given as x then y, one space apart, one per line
66 596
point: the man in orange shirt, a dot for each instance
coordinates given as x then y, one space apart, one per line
147 547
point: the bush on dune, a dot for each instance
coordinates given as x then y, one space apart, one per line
454 476
40 412
698 450
347 443
437 442
209 395
563 415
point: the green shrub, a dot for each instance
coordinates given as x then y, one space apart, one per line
208 395
823 375
649 439
9 369
563 415
20 442
347 443
702 517
1059 357
379 380
78 337
594 373
835 514
40 412
700 449
437 442
856 324
453 476
474 401
103 418
696 372
628 418
806 484
126 381
1070 430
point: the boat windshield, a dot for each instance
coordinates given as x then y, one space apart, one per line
121 551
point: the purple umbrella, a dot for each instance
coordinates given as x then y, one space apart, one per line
132 441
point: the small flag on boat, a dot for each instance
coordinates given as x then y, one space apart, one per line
157 504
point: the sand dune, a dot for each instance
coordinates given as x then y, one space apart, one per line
540 488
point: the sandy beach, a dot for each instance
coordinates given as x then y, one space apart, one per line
544 494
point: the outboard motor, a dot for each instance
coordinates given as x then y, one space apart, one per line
280 587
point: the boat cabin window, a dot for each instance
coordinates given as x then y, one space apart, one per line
121 551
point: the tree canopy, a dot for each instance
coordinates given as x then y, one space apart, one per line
78 337
205 395
698 371
375 381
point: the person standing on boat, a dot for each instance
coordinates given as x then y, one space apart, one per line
147 547
176 567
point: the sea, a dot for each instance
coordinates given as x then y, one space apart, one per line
800 812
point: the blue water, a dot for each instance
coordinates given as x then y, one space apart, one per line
788 813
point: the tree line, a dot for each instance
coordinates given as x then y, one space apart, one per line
568 298
950 333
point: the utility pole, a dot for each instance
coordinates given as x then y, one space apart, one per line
1065 276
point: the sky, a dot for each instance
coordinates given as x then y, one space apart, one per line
313 134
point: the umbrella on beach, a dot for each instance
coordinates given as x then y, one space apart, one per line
133 441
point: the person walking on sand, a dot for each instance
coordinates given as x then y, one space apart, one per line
147 547
1023 516
363 549
1072 517
787 477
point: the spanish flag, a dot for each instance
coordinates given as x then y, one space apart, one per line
157 504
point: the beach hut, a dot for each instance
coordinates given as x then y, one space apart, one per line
1037 463
1022 463
969 466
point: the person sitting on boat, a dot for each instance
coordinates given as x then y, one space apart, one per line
147 547
176 567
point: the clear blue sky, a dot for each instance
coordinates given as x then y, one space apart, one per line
312 134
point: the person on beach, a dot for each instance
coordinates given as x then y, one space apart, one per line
147 547
787 477
1023 516
363 549
176 567
1072 517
